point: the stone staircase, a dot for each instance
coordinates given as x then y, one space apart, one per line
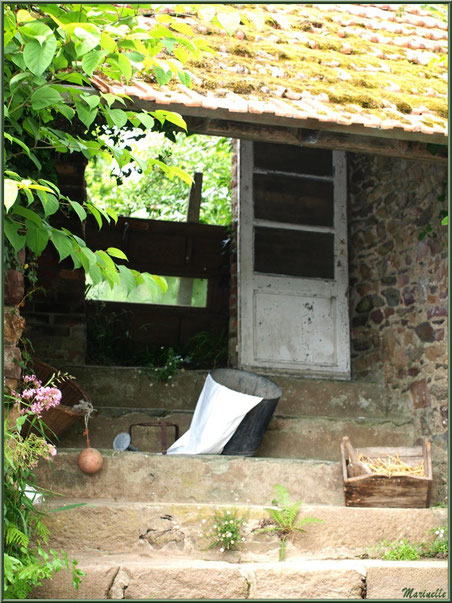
141 532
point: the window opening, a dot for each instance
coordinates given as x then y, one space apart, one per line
182 291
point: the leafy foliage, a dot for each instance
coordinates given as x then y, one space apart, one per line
25 558
51 51
284 519
435 546
151 194
225 532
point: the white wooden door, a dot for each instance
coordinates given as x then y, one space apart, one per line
292 261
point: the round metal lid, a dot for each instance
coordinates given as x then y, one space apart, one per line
121 441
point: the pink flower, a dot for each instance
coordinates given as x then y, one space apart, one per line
52 449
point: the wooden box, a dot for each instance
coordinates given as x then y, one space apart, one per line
381 490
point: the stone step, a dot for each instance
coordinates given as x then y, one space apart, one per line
216 479
131 576
175 529
285 437
137 387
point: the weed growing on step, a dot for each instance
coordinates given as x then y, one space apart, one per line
438 547
226 531
400 551
284 521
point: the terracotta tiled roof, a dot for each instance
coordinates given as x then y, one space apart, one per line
376 67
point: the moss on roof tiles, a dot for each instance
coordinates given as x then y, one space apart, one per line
317 54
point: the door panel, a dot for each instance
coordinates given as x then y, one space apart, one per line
292 258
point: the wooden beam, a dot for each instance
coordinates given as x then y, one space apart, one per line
194 205
194 201
321 139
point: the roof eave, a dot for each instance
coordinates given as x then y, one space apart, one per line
293 122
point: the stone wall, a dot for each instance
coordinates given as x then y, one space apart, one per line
398 287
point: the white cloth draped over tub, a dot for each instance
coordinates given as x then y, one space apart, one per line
218 413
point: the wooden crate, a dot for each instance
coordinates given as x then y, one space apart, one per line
380 490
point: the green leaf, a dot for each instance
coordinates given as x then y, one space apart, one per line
95 213
79 210
92 100
107 42
76 259
60 62
117 116
125 66
184 78
18 142
127 278
62 243
29 195
117 253
88 35
50 185
23 16
15 81
92 60
66 507
135 56
180 173
36 30
74 78
229 21
83 259
37 238
68 112
181 54
95 272
181 27
31 126
36 57
146 119
106 260
161 282
86 115
44 97
29 214
10 192
163 77
90 255
111 98
111 212
169 44
110 272
11 229
445 221
49 203
174 118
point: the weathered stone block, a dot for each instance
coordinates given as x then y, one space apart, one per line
14 325
14 287
420 394
425 332
12 359
308 580
392 296
409 579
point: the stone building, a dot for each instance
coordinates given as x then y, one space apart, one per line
339 113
